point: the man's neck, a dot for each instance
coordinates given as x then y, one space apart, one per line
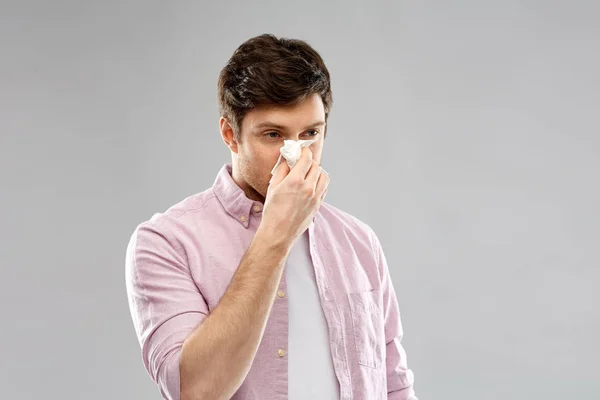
248 190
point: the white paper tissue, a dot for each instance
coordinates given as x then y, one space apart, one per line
291 151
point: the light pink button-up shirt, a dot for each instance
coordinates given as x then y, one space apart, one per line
179 263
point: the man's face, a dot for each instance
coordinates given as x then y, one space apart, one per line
263 131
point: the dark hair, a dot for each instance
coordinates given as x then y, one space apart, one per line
266 70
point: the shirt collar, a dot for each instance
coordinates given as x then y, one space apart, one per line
232 197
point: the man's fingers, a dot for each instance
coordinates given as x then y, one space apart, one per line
280 172
313 173
303 164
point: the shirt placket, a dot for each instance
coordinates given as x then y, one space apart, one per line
331 310
280 351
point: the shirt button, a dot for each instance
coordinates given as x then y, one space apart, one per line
281 293
243 218
257 208
281 352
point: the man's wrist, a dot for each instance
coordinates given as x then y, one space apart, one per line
272 241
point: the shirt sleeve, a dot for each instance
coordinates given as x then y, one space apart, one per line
400 379
164 301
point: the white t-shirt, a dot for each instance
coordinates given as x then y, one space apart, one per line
310 367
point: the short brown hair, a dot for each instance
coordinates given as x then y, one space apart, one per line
266 70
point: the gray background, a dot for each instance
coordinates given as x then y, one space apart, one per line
466 134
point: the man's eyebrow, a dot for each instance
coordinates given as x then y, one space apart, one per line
269 124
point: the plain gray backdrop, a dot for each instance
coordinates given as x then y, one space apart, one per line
465 133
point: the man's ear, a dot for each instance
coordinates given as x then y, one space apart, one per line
227 134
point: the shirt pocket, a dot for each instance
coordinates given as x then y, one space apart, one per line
367 326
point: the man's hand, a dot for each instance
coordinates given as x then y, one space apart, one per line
293 198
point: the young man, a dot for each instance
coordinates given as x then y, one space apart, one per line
255 288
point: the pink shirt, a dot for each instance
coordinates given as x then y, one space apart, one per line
179 263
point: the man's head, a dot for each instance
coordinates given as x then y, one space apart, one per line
270 90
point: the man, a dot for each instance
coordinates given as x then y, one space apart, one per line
255 288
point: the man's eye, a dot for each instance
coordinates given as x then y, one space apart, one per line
316 132
270 134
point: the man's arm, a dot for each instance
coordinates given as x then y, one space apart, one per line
400 378
190 353
229 338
